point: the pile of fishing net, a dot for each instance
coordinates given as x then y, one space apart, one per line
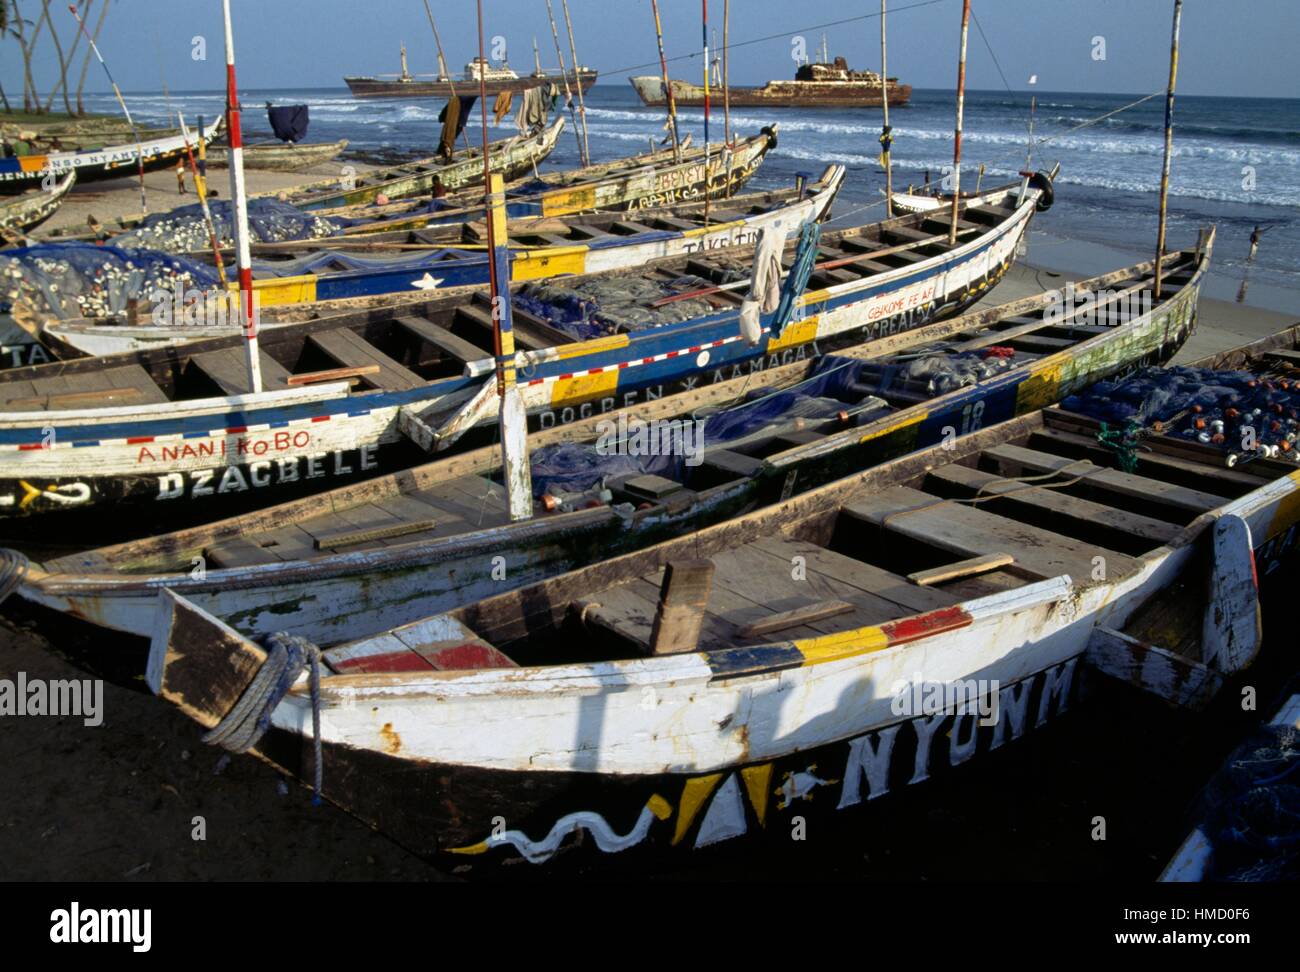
85 280
592 308
1235 410
945 372
1254 821
669 450
185 230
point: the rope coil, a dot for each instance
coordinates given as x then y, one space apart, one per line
246 723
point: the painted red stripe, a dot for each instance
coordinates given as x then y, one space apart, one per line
137 440
320 418
922 625
565 377
394 661
30 446
695 350
237 430
625 364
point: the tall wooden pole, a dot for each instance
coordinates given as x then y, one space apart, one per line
511 415
139 148
956 142
886 137
726 73
577 79
668 87
1169 146
568 94
442 68
239 201
705 31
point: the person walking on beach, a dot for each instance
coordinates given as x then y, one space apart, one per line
180 177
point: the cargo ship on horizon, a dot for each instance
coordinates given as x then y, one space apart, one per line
815 85
496 79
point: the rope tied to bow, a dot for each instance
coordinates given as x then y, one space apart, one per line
13 570
244 725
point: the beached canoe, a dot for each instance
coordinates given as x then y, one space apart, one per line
812 656
429 261
346 563
168 422
25 212
1239 834
926 200
92 165
280 156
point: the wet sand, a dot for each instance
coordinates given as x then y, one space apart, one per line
118 801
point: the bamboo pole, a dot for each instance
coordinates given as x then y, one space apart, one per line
568 94
239 202
886 138
139 147
577 79
961 102
200 187
1169 146
705 31
726 73
511 415
668 87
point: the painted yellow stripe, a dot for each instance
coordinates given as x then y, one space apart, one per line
694 793
875 432
797 332
548 262
32 163
1288 508
587 386
1040 389
844 644
712 228
562 203
813 297
282 290
594 346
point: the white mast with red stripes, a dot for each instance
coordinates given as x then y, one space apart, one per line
247 317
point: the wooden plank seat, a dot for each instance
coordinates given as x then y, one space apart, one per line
228 369
351 350
1072 514
1018 460
448 344
121 385
971 532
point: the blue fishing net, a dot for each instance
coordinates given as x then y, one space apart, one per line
324 261
1254 823
1227 409
184 229
667 449
593 308
85 280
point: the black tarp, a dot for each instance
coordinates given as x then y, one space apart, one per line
289 122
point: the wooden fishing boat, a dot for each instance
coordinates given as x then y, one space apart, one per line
161 423
433 260
814 655
1238 796
512 157
927 200
93 165
281 156
25 212
349 562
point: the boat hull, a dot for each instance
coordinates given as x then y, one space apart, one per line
280 158
95 165
776 94
369 87
29 211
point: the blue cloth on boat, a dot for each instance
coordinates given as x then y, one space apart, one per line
289 122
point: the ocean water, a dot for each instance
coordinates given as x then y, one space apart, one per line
1236 161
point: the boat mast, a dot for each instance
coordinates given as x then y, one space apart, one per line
537 59
705 31
406 74
239 200
1169 145
564 74
437 42
956 142
577 79
139 147
511 416
886 138
726 76
668 87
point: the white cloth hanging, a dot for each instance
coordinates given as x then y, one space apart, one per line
764 283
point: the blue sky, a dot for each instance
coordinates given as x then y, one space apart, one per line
1230 47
